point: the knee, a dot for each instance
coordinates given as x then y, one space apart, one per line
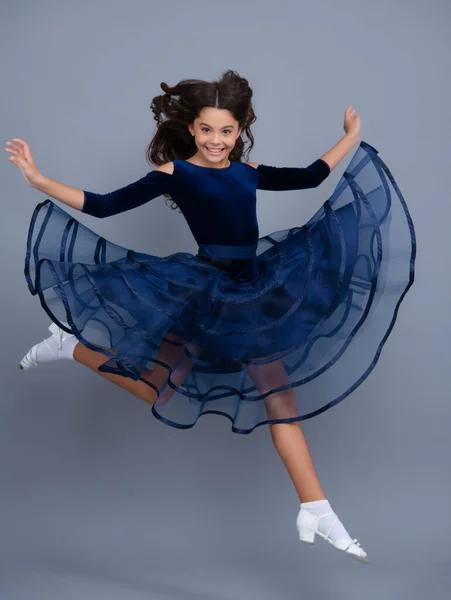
281 405
146 392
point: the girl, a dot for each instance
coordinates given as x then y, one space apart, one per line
269 330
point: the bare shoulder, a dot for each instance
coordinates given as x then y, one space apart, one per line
252 164
166 168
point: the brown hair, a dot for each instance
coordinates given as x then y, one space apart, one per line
173 141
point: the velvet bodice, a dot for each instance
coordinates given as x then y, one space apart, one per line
219 204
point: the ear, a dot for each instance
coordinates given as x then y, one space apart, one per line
191 128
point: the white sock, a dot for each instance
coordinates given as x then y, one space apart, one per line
322 507
48 350
69 343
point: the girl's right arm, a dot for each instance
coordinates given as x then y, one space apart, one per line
73 197
135 194
21 156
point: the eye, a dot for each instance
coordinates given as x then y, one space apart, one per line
207 129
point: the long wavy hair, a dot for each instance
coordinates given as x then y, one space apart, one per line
181 104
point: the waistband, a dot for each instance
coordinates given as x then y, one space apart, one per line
211 250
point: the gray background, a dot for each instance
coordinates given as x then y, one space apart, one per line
99 499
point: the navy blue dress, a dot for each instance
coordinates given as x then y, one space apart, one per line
257 329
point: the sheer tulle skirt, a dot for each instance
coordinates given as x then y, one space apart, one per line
278 338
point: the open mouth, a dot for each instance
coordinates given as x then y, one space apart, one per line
215 152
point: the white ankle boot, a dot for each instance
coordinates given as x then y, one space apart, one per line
49 349
307 524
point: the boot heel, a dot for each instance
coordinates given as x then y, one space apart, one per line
307 526
307 536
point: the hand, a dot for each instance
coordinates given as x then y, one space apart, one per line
352 122
21 156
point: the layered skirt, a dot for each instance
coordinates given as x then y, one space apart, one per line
280 337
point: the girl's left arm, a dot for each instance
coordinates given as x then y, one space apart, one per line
297 178
336 154
351 126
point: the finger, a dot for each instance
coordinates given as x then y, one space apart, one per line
15 146
22 145
14 153
17 152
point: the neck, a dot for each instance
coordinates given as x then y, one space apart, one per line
197 159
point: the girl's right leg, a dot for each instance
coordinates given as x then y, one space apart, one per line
168 353
93 360
63 345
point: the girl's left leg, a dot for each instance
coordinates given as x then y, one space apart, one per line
291 445
316 515
288 438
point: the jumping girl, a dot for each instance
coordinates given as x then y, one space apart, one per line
262 330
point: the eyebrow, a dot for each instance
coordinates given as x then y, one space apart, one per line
225 127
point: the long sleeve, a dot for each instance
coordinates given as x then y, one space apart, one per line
292 178
154 184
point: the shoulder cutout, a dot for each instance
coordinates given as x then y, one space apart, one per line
252 164
166 168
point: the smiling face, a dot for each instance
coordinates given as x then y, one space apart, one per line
215 133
